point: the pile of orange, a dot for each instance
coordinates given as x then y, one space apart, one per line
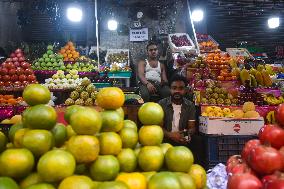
225 75
217 60
10 100
69 52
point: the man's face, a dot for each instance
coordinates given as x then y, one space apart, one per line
152 51
177 90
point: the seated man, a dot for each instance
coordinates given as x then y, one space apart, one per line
152 75
179 112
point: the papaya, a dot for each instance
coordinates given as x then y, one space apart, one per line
266 78
244 75
259 78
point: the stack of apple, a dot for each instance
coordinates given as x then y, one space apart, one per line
62 81
261 164
49 61
16 71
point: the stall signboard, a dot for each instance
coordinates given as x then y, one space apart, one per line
236 52
139 34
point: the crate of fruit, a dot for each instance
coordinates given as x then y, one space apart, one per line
118 56
181 42
218 148
207 43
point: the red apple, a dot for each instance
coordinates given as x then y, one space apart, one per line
9 59
12 71
14 78
18 51
17 64
6 78
10 65
15 59
19 55
25 65
28 71
21 59
12 55
17 83
34 82
19 71
25 82
22 78
1 83
3 71
4 64
31 78
7 83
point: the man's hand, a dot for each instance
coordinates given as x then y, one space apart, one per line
152 89
177 137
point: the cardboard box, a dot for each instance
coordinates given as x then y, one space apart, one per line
230 126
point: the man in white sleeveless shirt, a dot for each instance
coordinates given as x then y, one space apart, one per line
152 75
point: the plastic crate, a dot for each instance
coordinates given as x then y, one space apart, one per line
219 148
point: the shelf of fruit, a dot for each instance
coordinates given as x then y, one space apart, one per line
118 56
16 72
206 43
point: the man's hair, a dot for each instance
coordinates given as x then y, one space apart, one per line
151 43
177 77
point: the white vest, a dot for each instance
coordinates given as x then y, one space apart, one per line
153 74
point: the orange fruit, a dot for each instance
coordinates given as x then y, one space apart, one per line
199 175
133 180
38 141
35 94
151 135
149 174
70 43
72 59
40 117
111 121
151 158
84 148
69 56
127 160
68 52
16 163
70 110
3 142
105 168
110 98
165 180
19 136
31 179
110 143
151 113
64 55
41 186
62 51
121 112
66 47
186 181
129 137
86 121
113 185
179 159
56 165
60 134
8 183
76 182
165 147
13 130
129 124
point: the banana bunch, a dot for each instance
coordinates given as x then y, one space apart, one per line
270 117
272 100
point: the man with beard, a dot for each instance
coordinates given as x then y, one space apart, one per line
179 112
152 75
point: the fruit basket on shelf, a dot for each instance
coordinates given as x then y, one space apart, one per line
207 43
117 59
181 42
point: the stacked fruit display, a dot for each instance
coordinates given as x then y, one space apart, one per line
180 41
214 94
247 111
257 77
83 64
62 81
270 99
260 164
226 75
218 60
84 94
198 63
49 61
69 52
121 57
206 44
10 100
248 93
97 150
16 71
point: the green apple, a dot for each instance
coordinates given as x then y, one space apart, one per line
68 76
49 47
43 64
55 64
45 55
49 52
62 68
75 76
52 60
44 68
49 64
69 66
47 59
51 56
41 60
59 56
37 64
